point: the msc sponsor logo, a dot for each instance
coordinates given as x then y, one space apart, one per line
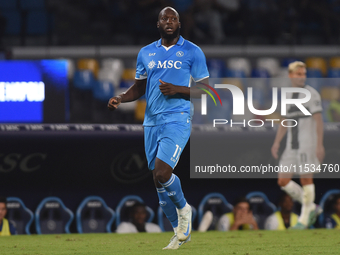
167 64
28 163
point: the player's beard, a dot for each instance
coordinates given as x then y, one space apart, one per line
169 36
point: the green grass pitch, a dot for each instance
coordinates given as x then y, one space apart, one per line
318 241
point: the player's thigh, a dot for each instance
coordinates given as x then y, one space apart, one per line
173 138
308 163
287 163
289 158
307 157
151 144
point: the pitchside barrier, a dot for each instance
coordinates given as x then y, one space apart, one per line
74 161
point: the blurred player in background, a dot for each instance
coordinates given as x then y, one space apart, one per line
165 70
6 227
304 146
241 218
284 218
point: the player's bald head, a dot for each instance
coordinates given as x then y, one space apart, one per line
167 9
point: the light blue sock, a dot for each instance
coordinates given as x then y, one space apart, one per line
168 207
174 191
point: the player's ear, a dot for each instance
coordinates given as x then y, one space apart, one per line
157 24
179 24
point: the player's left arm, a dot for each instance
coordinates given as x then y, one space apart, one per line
320 150
169 89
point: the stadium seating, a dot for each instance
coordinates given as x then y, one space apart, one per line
272 65
89 64
333 73
317 63
217 204
83 79
235 73
261 207
102 90
129 74
314 78
326 204
216 68
140 110
286 61
334 62
112 70
19 215
239 64
94 216
123 209
165 224
330 93
52 217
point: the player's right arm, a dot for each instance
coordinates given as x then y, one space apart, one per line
133 93
281 131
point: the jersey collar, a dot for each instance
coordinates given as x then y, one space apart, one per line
179 42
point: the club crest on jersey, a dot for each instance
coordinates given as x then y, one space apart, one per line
151 64
179 53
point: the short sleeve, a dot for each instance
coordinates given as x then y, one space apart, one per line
140 68
271 223
315 105
223 224
199 68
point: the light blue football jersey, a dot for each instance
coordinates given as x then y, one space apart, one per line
177 64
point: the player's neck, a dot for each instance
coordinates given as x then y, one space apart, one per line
169 42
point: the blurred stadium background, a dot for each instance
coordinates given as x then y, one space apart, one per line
67 146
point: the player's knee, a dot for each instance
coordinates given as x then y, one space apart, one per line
161 176
282 182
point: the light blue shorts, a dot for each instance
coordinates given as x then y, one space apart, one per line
166 142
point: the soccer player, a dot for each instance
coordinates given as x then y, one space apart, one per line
304 146
165 70
284 218
6 227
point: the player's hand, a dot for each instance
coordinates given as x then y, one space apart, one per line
275 150
167 89
114 102
320 153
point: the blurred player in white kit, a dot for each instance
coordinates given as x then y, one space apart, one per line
304 146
